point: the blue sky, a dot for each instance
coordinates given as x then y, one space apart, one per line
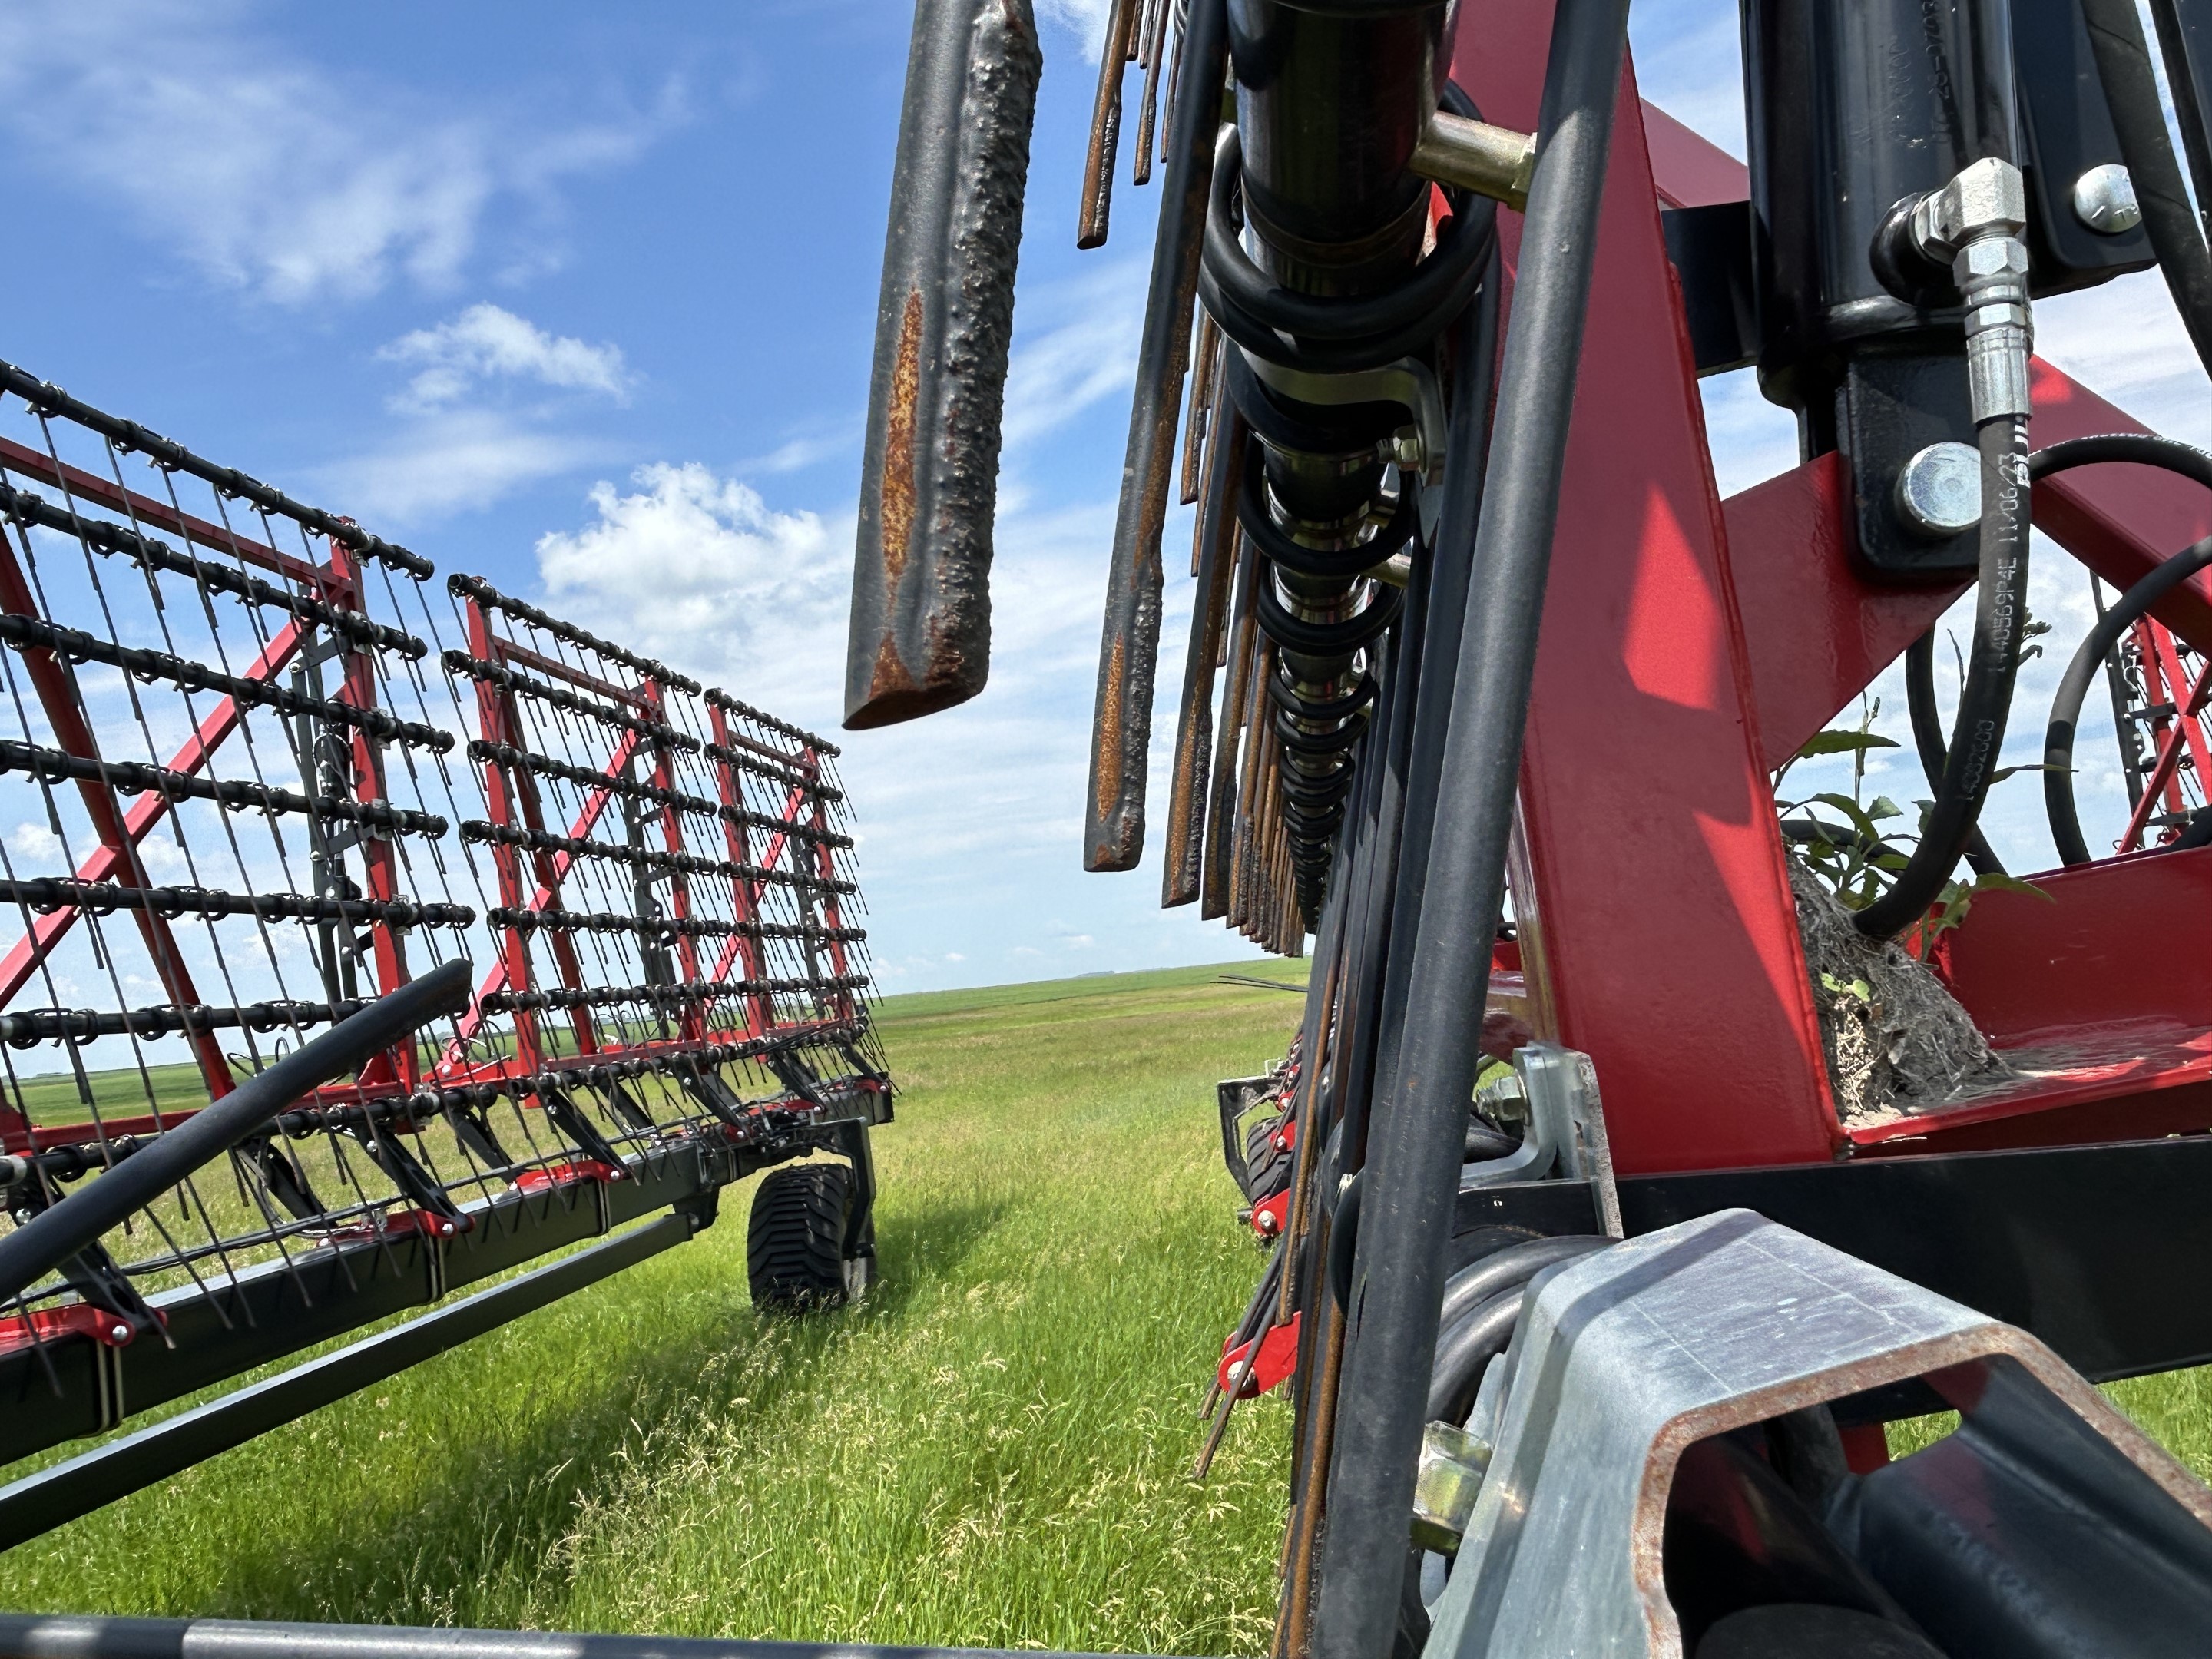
581 297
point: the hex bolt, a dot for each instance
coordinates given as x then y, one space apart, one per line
1939 491
2105 200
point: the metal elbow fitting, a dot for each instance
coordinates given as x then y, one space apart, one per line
1978 222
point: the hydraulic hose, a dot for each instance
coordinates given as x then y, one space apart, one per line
2131 85
1501 1270
1415 1156
1928 739
2000 610
1464 1352
2141 449
2066 707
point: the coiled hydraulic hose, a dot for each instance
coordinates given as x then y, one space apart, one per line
1319 505
2000 611
2066 706
2143 449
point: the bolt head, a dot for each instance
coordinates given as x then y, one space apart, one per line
120 1333
2105 200
1939 491
1264 1220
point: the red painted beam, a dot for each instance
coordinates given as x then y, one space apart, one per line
1657 919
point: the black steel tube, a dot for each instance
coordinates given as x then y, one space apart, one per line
35 1636
921 637
1129 653
59 1494
1415 1161
1467 461
51 1238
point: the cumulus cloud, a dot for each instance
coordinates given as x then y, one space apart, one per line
274 175
690 555
1084 19
486 342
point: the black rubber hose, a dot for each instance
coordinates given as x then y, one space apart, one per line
1516 1264
1464 1352
2139 449
1343 1237
2000 610
52 1237
2130 84
1414 1159
2066 708
1928 739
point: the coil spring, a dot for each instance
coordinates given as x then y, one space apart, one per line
1325 500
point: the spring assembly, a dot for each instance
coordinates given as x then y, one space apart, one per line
482 831
658 732
1331 491
685 994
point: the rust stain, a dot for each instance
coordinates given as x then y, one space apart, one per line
1107 740
891 678
897 511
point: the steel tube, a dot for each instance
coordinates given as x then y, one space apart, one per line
1121 727
51 1238
1414 1160
55 1496
929 481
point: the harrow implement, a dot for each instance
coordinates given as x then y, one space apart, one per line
377 937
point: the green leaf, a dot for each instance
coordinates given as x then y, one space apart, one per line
1884 807
2001 883
1838 742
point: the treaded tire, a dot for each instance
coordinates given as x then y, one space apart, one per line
795 1240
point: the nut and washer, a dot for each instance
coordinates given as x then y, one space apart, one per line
1939 491
2105 200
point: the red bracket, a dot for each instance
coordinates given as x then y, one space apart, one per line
428 1223
1279 1358
78 1318
1269 1214
570 1175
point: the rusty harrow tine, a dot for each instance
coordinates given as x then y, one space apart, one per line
1149 55
1095 211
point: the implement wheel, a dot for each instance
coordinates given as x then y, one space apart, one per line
795 1242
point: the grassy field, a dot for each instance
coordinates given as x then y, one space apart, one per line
991 1450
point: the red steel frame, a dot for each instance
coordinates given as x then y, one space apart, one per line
1690 646
2178 734
122 830
514 802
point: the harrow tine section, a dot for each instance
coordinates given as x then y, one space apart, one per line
273 790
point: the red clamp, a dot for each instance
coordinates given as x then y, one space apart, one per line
1286 1137
428 1223
78 1318
568 1175
1270 1214
1278 1359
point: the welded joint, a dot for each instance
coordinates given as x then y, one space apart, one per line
1493 161
1978 224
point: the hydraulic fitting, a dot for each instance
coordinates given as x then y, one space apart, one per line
1979 222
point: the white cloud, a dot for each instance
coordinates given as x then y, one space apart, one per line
451 461
1075 344
1084 19
695 557
486 342
35 841
273 175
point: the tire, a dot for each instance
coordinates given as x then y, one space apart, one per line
795 1241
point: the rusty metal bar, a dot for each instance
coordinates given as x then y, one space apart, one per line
1092 217
1183 873
1114 833
921 604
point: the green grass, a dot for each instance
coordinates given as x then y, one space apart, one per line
991 1449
